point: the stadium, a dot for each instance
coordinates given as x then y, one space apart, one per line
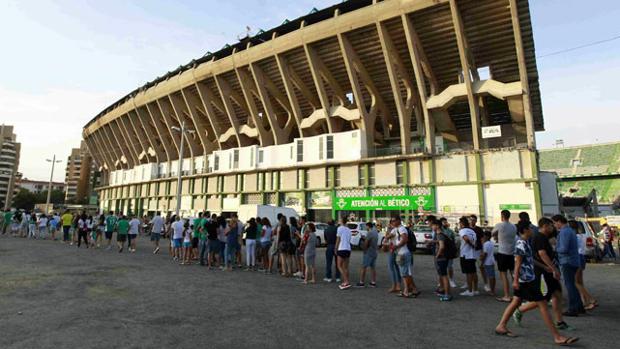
365 108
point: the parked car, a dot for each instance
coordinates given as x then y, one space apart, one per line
593 246
320 232
424 237
358 230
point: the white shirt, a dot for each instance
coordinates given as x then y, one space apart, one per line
80 224
177 227
42 222
399 232
488 249
158 224
344 233
134 226
581 240
467 250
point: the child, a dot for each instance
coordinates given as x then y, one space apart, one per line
187 244
308 246
527 288
488 261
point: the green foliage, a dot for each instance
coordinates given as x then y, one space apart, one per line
25 200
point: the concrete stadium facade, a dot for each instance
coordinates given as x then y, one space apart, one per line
365 108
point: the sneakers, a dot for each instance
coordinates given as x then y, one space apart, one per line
466 294
360 284
452 283
373 284
338 280
327 280
487 288
517 316
344 287
445 298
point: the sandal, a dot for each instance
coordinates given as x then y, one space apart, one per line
404 295
415 294
507 334
503 300
568 341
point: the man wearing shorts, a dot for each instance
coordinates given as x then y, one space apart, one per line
468 257
134 231
121 235
506 234
177 237
404 259
441 259
110 225
544 255
213 243
369 258
527 288
156 230
343 251
67 220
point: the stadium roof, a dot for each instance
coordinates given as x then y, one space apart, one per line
582 161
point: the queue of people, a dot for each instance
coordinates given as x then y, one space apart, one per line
528 257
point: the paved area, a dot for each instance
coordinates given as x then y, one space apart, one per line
57 296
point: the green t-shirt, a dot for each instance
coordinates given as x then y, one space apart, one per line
123 227
197 224
203 225
7 217
110 222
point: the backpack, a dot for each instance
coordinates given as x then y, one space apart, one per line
412 242
479 234
449 247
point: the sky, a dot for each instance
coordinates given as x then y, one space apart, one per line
62 62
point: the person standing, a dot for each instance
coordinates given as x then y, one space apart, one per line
203 242
369 258
389 241
285 247
487 258
251 232
567 248
221 236
445 228
100 229
343 251
157 227
473 221
110 226
197 226
589 302
212 241
265 242
32 226
43 223
446 249
468 257
177 237
308 247
506 234
82 230
232 234
122 229
330 240
134 231
404 259
527 288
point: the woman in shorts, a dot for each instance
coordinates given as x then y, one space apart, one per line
187 244
265 242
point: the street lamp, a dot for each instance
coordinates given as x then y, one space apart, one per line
49 187
183 131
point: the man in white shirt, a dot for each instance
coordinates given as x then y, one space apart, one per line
343 253
177 237
506 235
468 255
157 226
134 230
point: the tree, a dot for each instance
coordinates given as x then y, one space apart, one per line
24 200
57 197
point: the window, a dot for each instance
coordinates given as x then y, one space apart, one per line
371 174
252 157
306 179
361 175
230 159
216 163
328 177
261 156
350 97
330 147
260 181
239 182
320 148
277 180
400 172
300 179
235 159
291 152
300 150
220 183
337 176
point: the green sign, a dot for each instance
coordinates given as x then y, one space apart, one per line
387 203
515 207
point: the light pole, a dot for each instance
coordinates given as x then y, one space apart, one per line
182 130
49 187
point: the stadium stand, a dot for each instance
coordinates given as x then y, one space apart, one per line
583 168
